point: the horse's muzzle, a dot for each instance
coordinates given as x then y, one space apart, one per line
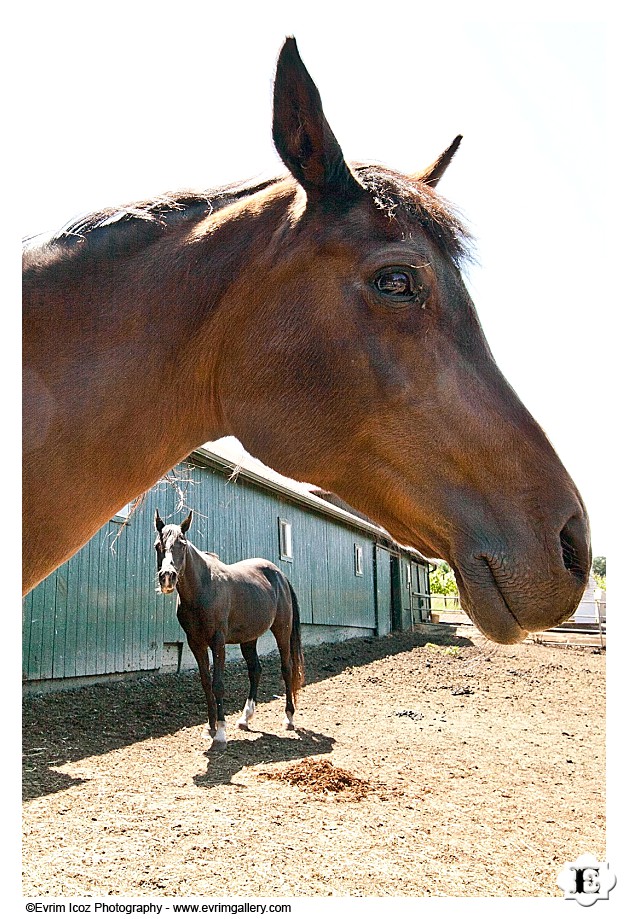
526 586
167 581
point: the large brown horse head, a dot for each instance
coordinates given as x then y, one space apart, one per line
366 341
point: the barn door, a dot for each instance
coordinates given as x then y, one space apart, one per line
410 604
398 592
419 599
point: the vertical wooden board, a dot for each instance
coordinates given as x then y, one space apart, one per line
61 623
320 591
129 603
90 610
102 595
383 590
306 557
125 565
144 597
124 562
264 513
334 608
138 579
48 604
73 614
117 548
133 599
236 521
147 584
80 563
27 624
31 634
138 610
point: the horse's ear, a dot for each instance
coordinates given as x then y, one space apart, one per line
159 524
302 136
185 526
433 174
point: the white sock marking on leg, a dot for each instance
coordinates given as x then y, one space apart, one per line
247 713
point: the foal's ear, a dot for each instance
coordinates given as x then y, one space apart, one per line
185 526
434 173
159 524
302 136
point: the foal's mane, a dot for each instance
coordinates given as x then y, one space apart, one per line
127 229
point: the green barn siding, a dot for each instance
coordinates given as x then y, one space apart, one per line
100 612
383 590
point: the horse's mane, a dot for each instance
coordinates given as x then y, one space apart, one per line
129 228
162 209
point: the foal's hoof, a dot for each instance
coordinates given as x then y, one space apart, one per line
208 732
289 725
218 746
243 725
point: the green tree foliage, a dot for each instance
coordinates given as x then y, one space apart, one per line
442 580
599 570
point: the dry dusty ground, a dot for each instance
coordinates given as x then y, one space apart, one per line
433 763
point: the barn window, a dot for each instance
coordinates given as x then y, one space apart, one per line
358 555
285 540
123 513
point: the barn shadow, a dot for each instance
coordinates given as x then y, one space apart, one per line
71 725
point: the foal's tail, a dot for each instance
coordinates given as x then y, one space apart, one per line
296 650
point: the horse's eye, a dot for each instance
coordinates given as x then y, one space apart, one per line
396 284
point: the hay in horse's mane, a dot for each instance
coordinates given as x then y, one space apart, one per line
397 194
130 227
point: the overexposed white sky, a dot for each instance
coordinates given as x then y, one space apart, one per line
126 100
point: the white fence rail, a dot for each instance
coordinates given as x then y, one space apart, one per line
449 604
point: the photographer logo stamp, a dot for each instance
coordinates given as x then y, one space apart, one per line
586 880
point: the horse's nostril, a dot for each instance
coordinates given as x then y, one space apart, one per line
574 543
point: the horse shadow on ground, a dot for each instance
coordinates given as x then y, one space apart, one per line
264 748
71 725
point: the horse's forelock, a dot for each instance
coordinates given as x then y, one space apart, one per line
398 196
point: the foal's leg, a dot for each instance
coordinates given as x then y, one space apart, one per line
218 684
249 653
202 659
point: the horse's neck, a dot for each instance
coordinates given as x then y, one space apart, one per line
197 574
121 371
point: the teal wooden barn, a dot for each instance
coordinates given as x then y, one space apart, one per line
100 615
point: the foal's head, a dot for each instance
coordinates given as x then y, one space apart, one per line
171 548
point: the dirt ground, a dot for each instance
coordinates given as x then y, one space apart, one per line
426 764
